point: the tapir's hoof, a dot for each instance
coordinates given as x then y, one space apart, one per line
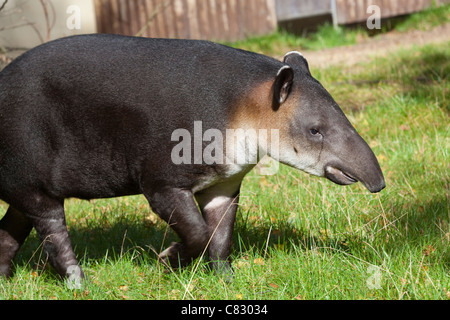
172 256
222 269
75 277
5 271
75 271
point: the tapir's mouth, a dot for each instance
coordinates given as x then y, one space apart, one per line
338 176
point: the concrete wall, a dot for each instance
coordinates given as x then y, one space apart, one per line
23 23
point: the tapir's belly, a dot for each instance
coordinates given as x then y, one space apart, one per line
92 176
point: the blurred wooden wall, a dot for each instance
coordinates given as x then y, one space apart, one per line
348 11
351 11
220 20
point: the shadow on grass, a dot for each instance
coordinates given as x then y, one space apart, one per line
97 244
409 224
127 236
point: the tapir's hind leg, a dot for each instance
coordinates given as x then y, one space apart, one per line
178 208
14 228
47 216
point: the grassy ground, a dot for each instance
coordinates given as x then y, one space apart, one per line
296 236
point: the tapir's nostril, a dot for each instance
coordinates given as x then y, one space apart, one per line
377 188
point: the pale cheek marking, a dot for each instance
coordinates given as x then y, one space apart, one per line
302 161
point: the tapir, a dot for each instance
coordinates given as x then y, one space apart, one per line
94 116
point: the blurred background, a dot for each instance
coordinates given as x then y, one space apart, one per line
27 23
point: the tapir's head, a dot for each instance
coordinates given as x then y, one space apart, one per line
315 136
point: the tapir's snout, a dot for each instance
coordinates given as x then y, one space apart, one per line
377 184
380 187
356 162
340 176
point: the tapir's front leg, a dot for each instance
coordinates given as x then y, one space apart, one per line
178 208
219 205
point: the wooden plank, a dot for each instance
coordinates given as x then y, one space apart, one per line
169 20
223 20
113 12
202 15
151 27
158 24
250 17
241 20
232 16
123 17
212 21
196 19
133 17
98 8
161 16
178 15
271 15
192 19
268 15
144 18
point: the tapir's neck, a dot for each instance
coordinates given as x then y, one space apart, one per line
267 129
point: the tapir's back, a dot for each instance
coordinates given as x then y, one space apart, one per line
105 67
172 79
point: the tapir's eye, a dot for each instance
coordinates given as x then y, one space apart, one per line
314 132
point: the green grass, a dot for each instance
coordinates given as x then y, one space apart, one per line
269 44
296 236
282 41
327 36
426 19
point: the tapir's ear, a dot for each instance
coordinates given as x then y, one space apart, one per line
296 59
282 86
